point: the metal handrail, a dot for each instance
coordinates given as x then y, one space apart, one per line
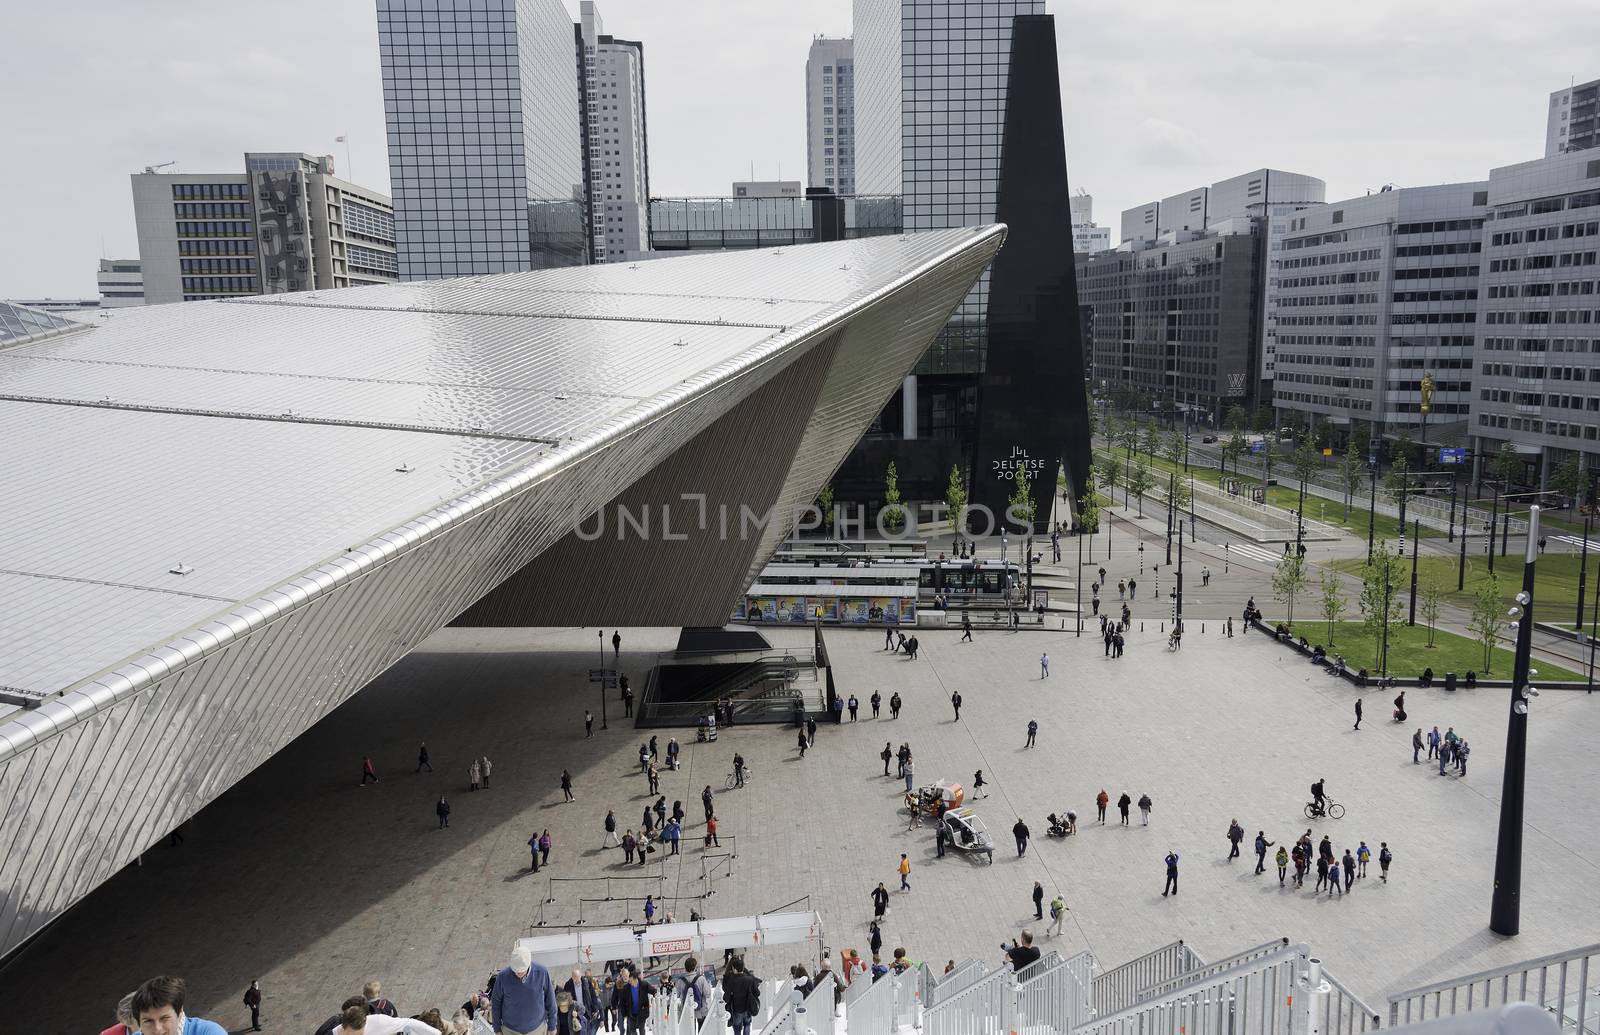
873 1011
1253 998
820 1014
987 1005
1054 999
1168 984
1039 966
1113 989
1344 1012
1504 985
958 980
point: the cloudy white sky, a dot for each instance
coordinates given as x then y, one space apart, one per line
1159 96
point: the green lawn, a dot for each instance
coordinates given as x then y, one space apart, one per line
1409 652
1555 588
1317 508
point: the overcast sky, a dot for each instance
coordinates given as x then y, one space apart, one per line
1159 96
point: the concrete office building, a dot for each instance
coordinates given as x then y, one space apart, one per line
1087 238
830 114
957 110
486 152
616 157
284 222
1573 120
1372 294
1538 377
1177 318
121 283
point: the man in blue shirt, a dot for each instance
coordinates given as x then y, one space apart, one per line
632 1001
158 1009
524 999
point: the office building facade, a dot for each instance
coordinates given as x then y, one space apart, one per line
1087 238
616 156
768 221
283 223
830 114
1373 295
938 118
121 283
1573 120
486 154
1538 377
1177 318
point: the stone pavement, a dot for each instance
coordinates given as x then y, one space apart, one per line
304 879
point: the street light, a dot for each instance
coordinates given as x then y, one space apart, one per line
1506 905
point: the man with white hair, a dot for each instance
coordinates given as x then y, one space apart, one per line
586 1004
355 1020
524 999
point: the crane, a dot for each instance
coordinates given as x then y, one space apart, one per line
156 168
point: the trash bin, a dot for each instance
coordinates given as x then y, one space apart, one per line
1450 681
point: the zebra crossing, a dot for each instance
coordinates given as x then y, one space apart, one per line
1576 540
1250 551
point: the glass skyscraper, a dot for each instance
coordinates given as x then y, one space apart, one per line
485 159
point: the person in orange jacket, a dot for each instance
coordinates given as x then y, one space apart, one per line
1101 800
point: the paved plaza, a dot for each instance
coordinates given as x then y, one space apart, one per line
312 883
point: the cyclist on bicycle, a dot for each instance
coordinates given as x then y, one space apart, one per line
1320 800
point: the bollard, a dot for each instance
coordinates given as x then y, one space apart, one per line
1202 628
1141 626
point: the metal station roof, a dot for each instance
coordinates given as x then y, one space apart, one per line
166 465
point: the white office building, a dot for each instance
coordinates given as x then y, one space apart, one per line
1087 238
1372 294
616 158
1538 377
1572 122
283 223
830 114
121 283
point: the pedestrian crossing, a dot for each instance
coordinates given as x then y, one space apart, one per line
1251 552
1576 540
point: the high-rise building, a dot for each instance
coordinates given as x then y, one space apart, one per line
121 283
830 114
1175 318
486 154
1372 294
1538 377
1087 238
1573 120
957 110
616 158
284 223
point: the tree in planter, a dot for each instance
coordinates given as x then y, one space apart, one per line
825 504
1333 602
1139 483
1352 469
1488 611
1150 440
1432 606
1567 479
1109 469
1398 484
894 513
955 498
1233 449
1020 506
1377 588
1289 581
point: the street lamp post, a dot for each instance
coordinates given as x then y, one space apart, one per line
1416 540
1372 515
1388 587
1079 580
1583 569
1172 488
1506 906
1494 519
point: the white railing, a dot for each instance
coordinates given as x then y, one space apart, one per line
1515 1019
985 1008
717 1017
963 977
1171 984
1118 988
906 1000
1253 998
1342 1012
1038 966
1559 982
821 1017
858 987
872 1013
1053 1000
1083 966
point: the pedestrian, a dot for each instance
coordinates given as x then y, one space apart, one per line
1416 746
1385 857
894 705
488 767
711 831
1101 800
1230 627
1333 879
629 845
1144 810
908 773
1262 844
1462 750
1038 901
566 785
938 840
1105 634
1094 602
1235 835
888 638
880 902
905 872
588 723
1433 743
1020 832
811 731
1123 803
855 706
978 785
1172 874
422 759
367 772
876 700
442 810
611 830
1282 859
673 832
1133 589
1117 643
966 627
1122 590
1358 713
1446 751
616 645
1044 666
707 800
804 743
1033 731
652 773
533 850
474 775
252 999
1322 872
1058 915
1363 856
627 696
955 702
544 848
886 754
649 909
901 645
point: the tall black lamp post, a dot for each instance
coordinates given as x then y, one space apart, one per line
1505 912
